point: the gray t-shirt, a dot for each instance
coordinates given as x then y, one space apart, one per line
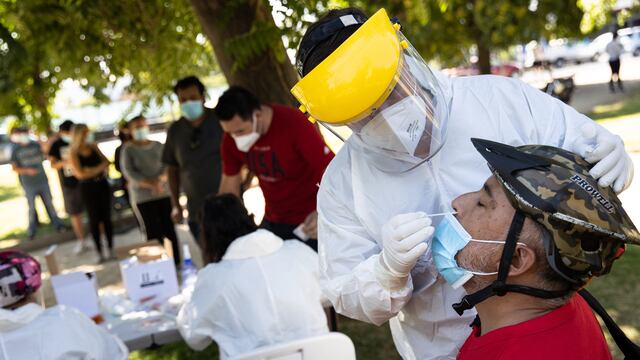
196 152
142 162
29 156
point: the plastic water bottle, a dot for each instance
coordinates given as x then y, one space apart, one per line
189 271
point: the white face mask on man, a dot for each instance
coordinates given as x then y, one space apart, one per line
246 141
20 138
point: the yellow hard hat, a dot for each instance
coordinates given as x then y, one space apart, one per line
357 77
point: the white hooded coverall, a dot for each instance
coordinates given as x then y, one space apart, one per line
356 199
265 291
31 332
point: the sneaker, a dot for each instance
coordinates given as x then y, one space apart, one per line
79 248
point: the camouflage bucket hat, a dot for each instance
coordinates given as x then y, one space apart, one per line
587 225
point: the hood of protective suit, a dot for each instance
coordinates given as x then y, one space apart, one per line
259 243
32 332
13 319
445 84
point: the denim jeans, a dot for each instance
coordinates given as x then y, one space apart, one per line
45 195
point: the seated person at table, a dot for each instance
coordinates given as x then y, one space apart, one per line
561 229
27 331
256 290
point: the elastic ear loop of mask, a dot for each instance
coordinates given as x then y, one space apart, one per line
498 242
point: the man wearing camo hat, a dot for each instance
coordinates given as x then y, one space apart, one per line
522 246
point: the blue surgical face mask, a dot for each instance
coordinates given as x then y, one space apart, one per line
66 138
90 137
448 239
192 110
140 134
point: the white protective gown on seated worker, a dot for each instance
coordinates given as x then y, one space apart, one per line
356 199
31 332
265 291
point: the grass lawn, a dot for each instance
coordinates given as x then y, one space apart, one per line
619 292
628 106
9 191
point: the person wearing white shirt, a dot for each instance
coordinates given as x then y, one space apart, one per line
615 49
28 331
256 290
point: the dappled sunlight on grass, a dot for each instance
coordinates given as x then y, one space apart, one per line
631 332
8 192
600 109
627 107
7 243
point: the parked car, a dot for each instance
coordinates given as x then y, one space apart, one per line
633 37
5 149
559 52
503 70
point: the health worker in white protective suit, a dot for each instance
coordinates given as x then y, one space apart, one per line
257 289
409 156
27 331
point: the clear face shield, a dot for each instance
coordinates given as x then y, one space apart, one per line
378 85
410 126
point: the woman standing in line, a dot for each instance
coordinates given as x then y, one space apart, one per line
90 167
141 163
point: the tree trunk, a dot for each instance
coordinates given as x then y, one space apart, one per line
41 102
264 75
484 54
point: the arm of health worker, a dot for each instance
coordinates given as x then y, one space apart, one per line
348 257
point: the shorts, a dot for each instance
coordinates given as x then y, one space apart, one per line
615 66
73 200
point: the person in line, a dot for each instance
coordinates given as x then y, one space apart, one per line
124 135
59 160
26 161
508 239
28 331
90 167
286 152
192 151
410 153
614 49
141 164
257 290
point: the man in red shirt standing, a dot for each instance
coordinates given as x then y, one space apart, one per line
561 229
284 150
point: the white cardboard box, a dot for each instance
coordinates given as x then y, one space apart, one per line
152 281
78 290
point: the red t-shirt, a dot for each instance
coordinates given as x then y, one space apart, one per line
569 332
288 160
